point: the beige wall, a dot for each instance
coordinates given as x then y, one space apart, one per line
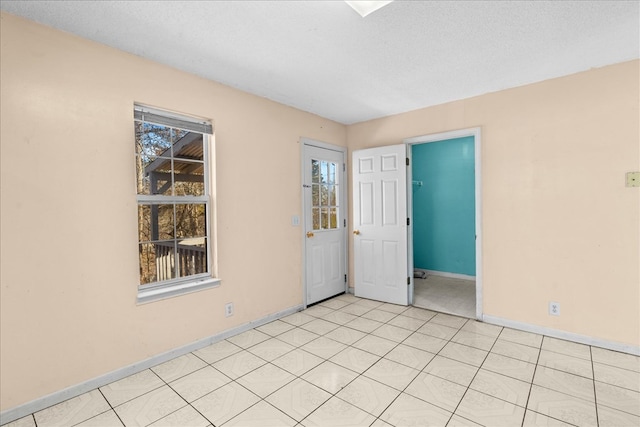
69 258
558 222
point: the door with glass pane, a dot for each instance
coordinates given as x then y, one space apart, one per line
324 222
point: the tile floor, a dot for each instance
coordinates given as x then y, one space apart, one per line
356 362
446 295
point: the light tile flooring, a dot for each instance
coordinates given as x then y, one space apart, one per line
446 295
356 362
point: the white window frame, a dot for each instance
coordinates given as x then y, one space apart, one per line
196 282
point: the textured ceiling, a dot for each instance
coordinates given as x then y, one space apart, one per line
322 57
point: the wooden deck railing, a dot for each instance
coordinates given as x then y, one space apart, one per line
191 260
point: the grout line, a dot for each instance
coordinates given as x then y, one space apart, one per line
595 394
108 403
557 391
176 392
474 376
359 374
535 368
412 332
201 414
419 371
260 399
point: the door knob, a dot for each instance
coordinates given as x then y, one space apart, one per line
309 234
356 232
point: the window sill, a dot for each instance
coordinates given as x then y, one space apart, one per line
150 295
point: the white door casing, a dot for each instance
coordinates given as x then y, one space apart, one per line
324 220
442 136
380 224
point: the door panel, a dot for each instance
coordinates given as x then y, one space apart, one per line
390 251
389 203
325 243
317 258
366 203
379 223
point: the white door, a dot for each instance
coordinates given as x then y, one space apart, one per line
325 223
380 224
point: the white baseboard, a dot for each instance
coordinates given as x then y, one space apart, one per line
446 274
60 396
563 335
554 333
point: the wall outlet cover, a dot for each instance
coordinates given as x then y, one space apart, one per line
554 308
633 179
228 309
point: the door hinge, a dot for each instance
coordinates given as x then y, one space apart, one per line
345 278
344 222
344 167
408 281
408 221
407 161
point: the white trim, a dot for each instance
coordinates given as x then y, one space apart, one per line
447 274
212 220
308 142
410 267
303 217
477 134
182 285
92 384
477 140
563 335
321 144
164 292
203 125
433 137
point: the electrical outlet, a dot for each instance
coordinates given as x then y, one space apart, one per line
228 309
554 308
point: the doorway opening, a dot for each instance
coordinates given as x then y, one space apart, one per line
444 237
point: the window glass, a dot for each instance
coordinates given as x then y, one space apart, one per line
324 195
173 199
191 220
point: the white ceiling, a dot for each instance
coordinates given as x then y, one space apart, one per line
322 57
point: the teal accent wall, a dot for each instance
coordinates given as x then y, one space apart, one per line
444 206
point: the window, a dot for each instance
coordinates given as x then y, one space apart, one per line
172 181
324 195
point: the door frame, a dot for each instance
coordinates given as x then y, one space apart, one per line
308 142
443 136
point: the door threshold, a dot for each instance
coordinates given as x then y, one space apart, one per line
323 300
445 311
